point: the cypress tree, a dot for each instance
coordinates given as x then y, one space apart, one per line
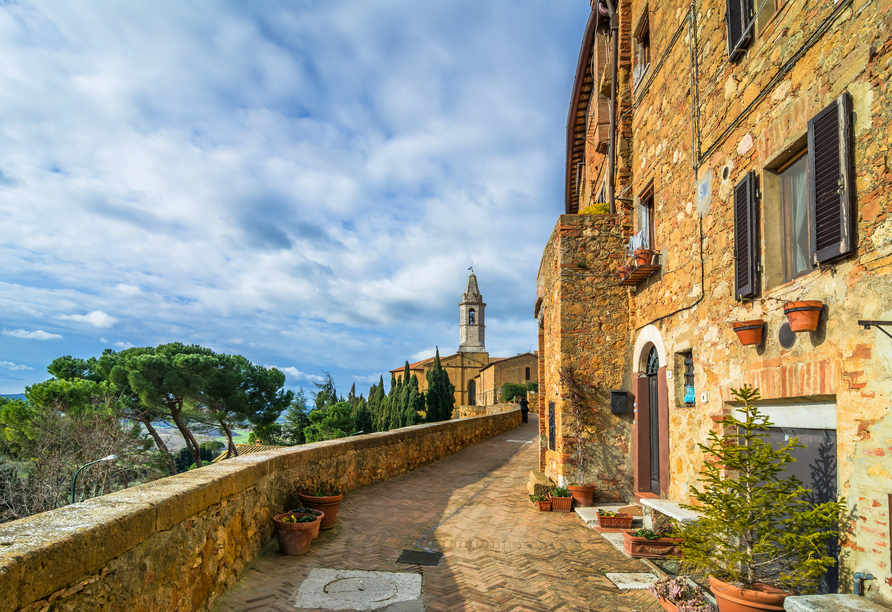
440 393
414 403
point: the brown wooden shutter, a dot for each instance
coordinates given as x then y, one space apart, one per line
738 15
745 244
831 183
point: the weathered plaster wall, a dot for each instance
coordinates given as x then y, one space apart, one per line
840 362
177 543
507 370
585 326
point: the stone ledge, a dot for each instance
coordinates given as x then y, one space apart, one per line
831 603
671 509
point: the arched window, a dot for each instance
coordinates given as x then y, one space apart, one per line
527 374
653 362
472 393
472 317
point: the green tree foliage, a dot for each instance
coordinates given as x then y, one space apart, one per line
376 403
329 423
362 417
757 525
413 408
440 396
515 391
209 451
326 394
68 368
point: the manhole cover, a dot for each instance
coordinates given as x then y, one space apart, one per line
368 589
329 589
420 557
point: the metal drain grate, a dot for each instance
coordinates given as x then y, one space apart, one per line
420 557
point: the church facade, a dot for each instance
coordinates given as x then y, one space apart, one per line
471 369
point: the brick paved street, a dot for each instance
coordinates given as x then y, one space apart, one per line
498 552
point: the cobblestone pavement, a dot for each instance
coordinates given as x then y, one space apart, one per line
499 553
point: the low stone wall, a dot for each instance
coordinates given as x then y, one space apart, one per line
465 412
178 543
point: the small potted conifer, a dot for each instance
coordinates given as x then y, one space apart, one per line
758 537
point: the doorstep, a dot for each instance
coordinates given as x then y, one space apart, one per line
670 508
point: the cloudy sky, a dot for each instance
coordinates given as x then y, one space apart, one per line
303 183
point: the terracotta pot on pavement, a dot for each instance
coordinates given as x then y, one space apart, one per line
295 538
803 316
582 495
732 598
328 505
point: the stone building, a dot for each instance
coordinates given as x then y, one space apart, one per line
464 367
752 158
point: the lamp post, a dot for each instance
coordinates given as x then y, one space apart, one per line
74 482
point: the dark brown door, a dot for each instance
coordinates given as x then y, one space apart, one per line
653 410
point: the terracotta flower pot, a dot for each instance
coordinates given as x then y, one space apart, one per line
295 538
732 598
582 495
623 273
328 505
543 505
561 504
667 605
620 521
651 549
749 332
321 515
803 316
643 257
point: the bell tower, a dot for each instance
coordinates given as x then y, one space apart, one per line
472 322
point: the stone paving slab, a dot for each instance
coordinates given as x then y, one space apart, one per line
499 552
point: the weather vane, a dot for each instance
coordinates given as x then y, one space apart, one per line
472 267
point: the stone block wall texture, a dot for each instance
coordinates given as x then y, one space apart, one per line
177 543
840 362
584 314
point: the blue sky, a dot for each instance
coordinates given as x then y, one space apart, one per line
302 183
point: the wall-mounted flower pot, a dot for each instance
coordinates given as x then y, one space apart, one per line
803 316
643 257
749 332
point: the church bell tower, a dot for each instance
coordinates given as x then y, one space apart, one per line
472 327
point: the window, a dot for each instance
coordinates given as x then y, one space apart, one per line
809 204
471 317
795 241
739 16
690 397
641 48
646 218
527 374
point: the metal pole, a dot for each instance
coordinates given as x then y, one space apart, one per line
74 482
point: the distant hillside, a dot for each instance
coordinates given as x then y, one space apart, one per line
20 396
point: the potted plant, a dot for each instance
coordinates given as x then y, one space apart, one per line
608 519
749 332
541 502
561 500
623 272
803 316
680 594
295 531
326 501
758 537
651 544
319 513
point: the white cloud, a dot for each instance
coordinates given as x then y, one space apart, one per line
14 366
370 378
124 345
424 354
296 375
31 335
103 341
128 290
97 318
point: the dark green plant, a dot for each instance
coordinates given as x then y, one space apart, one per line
560 492
756 524
650 534
538 498
299 519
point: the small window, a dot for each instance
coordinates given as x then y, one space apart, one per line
795 239
641 48
472 317
690 396
739 17
527 374
646 218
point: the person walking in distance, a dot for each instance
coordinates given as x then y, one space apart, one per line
524 410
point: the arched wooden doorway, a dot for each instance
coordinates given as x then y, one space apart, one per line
653 416
472 393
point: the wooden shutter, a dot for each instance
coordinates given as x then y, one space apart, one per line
739 14
745 244
831 180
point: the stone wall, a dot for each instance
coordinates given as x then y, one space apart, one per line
507 370
177 543
584 317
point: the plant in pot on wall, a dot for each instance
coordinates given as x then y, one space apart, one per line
758 537
803 316
325 500
749 332
651 544
578 398
680 594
